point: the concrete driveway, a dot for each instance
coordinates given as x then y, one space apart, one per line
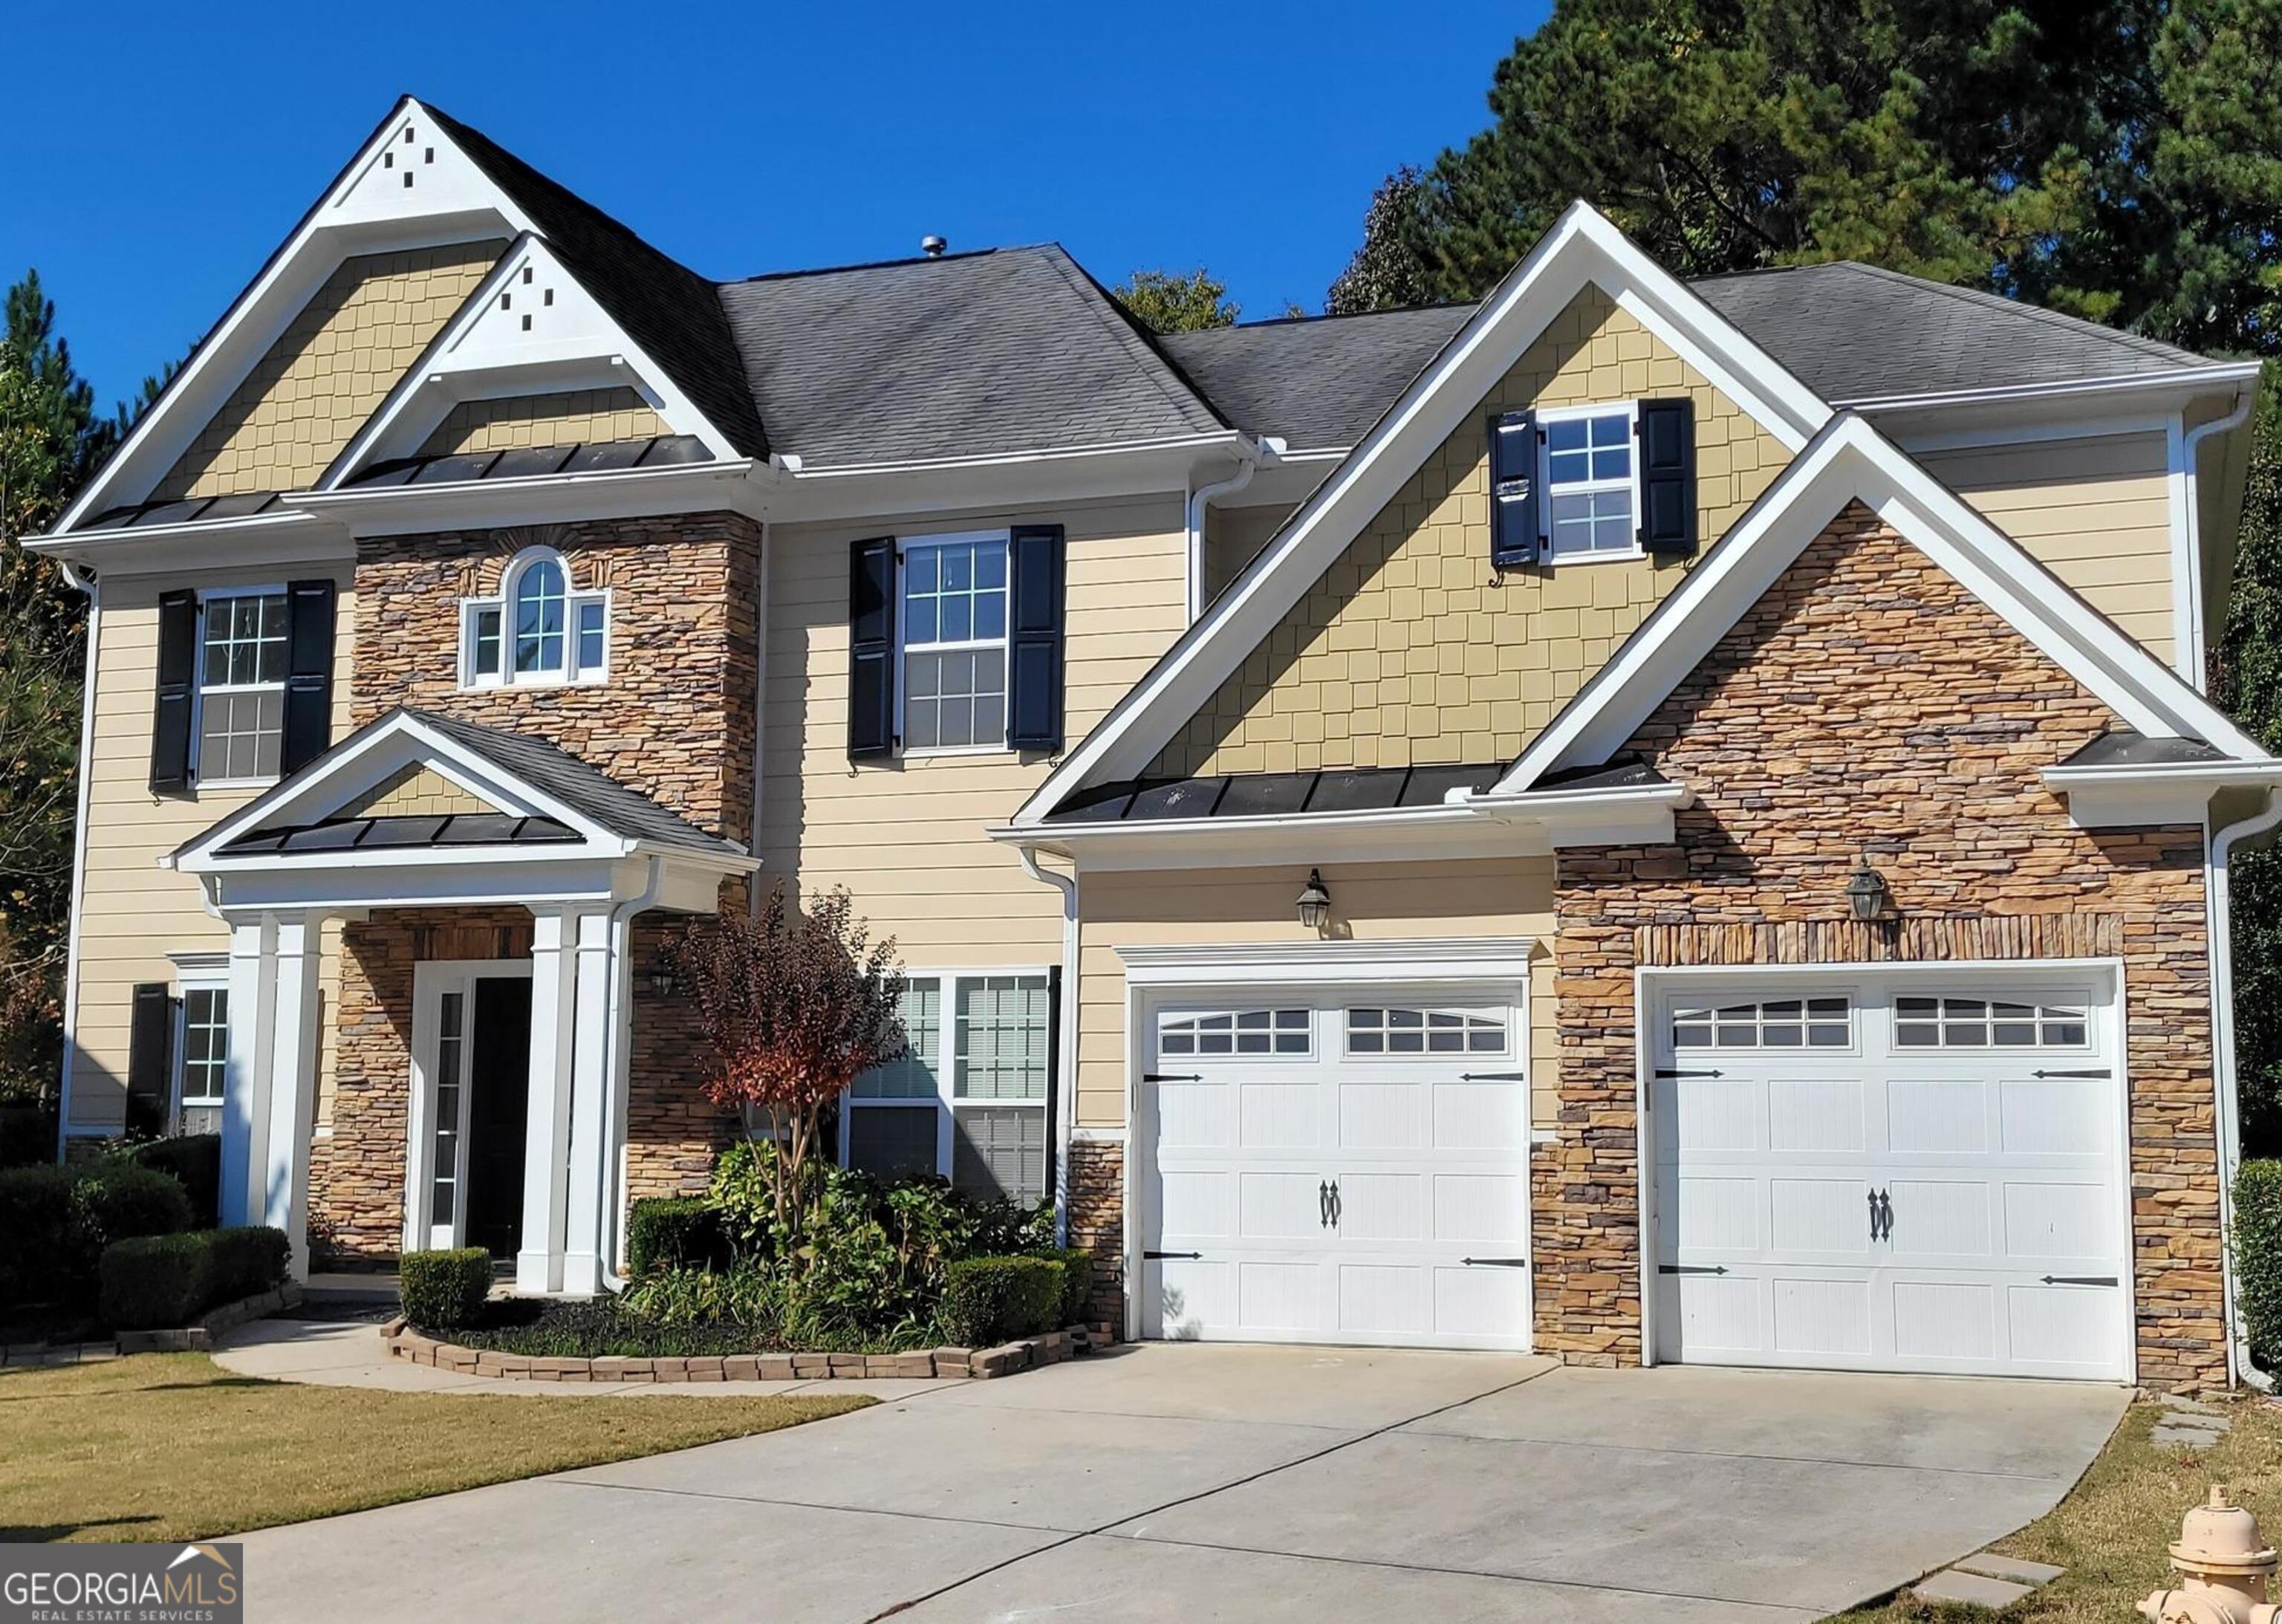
1250 1483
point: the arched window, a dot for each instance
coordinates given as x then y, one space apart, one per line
537 631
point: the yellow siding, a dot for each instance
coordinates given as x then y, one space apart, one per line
1233 536
329 371
2096 511
133 914
574 417
906 837
415 792
1407 651
1383 902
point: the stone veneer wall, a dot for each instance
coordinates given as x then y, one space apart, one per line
1869 705
1097 1221
675 720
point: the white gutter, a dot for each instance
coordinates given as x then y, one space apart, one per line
2192 657
2186 378
2226 1081
1228 441
1066 1050
760 702
1267 449
618 1066
83 580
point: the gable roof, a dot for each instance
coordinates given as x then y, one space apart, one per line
972 354
670 310
1849 461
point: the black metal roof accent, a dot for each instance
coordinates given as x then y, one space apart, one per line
604 456
2124 747
360 834
1348 789
183 510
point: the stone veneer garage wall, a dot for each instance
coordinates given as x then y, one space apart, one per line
675 720
1869 705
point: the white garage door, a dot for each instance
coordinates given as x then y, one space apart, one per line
1902 1174
1349 1169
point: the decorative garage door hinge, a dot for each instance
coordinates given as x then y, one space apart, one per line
2093 1071
2079 1279
1668 1071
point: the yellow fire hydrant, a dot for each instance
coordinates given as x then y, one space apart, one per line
2222 1567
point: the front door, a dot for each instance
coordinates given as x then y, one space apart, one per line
498 1086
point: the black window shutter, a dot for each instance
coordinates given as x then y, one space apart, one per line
150 1059
1667 448
1034 641
178 661
871 648
308 673
1513 489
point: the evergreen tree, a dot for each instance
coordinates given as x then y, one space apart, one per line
1167 302
1394 266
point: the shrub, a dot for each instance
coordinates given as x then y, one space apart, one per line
675 1232
28 1133
442 1291
2258 1256
988 1300
168 1281
37 1243
1077 1282
120 1199
195 1160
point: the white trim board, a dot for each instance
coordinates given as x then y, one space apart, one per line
1418 961
1583 249
1850 461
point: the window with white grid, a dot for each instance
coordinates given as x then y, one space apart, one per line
206 1045
1591 489
1400 1032
241 686
1929 1022
954 625
1772 1023
541 631
1236 1031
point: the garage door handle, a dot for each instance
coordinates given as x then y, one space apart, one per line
1691 1269
1153 1256
1338 1206
2079 1279
1882 1215
1323 1203
2092 1071
1495 1263
1172 1077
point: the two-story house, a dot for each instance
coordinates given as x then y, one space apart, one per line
1639 820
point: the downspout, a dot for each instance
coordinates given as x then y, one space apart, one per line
1266 449
2188 446
2229 1098
1066 1050
618 1037
760 711
83 580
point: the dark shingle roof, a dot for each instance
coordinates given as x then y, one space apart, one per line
582 787
1320 382
1854 332
670 310
1011 350
2124 747
531 461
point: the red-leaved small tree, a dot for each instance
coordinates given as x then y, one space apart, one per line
796 1006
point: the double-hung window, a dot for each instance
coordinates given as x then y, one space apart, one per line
206 1046
969 1100
241 688
539 630
953 616
1591 483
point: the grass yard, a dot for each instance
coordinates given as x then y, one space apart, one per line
173 1447
2111 1532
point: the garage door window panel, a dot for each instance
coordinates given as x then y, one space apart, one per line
1771 1023
1397 1032
1949 1023
1253 1033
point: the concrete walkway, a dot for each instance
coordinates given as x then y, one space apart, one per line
1243 1483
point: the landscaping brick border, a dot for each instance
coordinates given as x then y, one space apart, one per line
401 1341
198 1337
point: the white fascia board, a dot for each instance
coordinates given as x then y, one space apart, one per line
1495 961
361 763
284 536
949 484
738 486
2109 797
368 209
2150 391
1639 814
1582 249
1849 461
487 351
1421 834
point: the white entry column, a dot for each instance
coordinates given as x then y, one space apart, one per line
270 1093
546 1119
585 1260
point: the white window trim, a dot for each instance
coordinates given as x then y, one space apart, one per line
1546 415
206 599
196 972
1005 642
571 674
946 1098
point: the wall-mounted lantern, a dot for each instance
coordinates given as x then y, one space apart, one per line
1315 902
1867 897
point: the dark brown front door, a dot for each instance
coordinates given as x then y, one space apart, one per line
499 1083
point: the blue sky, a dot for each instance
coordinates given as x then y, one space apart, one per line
158 154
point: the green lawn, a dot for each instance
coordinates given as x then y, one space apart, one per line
2111 1531
172 1447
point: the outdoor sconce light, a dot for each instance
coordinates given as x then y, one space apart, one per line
1315 902
663 982
1866 893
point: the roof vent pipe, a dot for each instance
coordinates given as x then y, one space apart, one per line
933 246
